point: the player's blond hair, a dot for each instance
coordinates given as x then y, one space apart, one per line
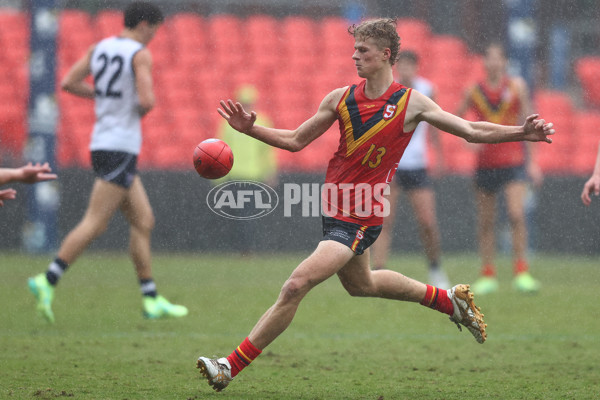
383 31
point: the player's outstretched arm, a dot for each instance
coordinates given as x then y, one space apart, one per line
421 108
29 173
592 186
291 140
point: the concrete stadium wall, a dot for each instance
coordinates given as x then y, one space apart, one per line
185 223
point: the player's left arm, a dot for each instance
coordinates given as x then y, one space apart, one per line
74 81
142 66
422 108
533 170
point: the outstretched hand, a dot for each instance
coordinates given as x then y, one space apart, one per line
537 130
7 194
592 186
35 173
236 116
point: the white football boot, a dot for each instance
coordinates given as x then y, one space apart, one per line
217 372
466 313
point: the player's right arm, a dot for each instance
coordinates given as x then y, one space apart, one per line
593 184
74 82
291 140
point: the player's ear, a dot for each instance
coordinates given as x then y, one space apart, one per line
387 53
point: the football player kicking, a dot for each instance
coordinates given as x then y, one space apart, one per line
376 118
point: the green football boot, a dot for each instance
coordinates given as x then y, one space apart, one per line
485 285
44 293
525 283
159 307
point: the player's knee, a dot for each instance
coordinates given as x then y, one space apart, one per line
293 289
145 224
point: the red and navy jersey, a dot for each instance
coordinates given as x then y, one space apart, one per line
372 141
500 105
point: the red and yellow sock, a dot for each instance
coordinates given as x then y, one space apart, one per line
241 357
438 300
520 267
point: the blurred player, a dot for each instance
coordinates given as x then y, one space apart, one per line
122 70
412 177
26 174
507 166
376 120
592 186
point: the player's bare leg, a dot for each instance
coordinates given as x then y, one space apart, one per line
515 193
486 219
138 212
323 263
358 279
381 247
104 201
423 204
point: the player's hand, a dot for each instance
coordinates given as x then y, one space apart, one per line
591 186
537 130
7 194
35 173
236 116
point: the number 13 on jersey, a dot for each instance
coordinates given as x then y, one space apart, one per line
373 156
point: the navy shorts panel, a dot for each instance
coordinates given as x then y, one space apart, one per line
411 179
492 180
356 237
115 167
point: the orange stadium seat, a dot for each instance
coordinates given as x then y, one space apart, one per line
585 140
109 23
557 107
587 70
225 42
186 30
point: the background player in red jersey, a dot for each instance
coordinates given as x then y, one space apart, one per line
502 166
376 118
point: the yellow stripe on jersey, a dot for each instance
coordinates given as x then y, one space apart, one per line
353 144
485 108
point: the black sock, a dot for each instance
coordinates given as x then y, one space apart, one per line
148 287
55 270
434 265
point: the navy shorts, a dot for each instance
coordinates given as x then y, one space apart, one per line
115 167
357 237
492 180
411 179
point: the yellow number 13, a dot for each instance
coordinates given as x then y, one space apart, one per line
377 157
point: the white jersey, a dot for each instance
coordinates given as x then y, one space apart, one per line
118 120
415 155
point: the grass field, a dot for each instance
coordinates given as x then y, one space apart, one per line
545 346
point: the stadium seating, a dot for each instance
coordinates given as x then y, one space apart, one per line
199 60
587 70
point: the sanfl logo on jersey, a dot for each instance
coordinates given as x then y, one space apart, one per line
389 112
369 105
